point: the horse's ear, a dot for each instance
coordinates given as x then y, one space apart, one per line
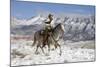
62 26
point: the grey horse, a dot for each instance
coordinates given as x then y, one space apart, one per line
57 34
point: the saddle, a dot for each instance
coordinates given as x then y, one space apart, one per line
46 34
46 31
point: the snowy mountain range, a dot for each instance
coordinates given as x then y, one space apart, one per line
30 21
78 27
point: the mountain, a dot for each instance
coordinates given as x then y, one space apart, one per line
31 21
78 27
15 21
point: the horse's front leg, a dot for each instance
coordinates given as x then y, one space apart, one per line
59 48
48 48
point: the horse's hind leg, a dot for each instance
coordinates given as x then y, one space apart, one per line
42 49
33 44
36 52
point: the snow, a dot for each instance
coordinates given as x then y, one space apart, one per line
23 54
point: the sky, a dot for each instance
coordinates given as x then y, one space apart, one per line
25 10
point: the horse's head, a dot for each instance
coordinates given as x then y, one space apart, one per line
62 26
59 30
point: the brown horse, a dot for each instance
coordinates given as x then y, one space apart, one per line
57 33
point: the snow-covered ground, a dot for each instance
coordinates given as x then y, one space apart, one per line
23 54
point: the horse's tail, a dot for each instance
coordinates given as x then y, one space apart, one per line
34 41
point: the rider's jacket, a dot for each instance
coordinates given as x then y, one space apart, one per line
48 25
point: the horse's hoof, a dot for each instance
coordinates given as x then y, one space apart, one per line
52 49
46 54
37 53
60 54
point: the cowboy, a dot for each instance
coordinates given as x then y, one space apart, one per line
48 29
48 25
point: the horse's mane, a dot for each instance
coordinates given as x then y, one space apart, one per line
56 27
